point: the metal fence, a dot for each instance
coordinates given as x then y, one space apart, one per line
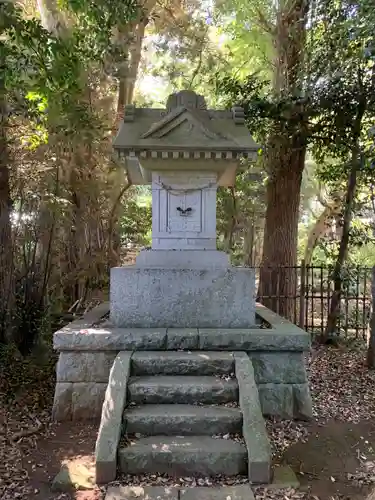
309 293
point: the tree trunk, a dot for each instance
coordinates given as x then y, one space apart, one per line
371 340
343 249
277 276
51 17
129 72
249 239
285 160
320 228
6 245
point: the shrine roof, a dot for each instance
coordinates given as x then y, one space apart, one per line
185 125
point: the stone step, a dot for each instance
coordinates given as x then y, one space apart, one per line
184 456
240 492
164 389
177 420
182 363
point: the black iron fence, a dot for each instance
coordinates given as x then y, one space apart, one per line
308 297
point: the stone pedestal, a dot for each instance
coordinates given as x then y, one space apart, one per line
177 297
183 259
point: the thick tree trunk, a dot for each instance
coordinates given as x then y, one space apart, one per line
286 158
277 276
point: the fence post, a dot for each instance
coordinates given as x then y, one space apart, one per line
302 298
371 341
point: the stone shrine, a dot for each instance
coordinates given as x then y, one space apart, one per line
186 361
185 153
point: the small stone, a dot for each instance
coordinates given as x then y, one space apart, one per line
74 475
284 477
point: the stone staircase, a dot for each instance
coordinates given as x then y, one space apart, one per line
182 413
182 416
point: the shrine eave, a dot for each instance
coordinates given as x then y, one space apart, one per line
181 154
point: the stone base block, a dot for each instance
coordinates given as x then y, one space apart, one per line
286 401
84 366
182 298
78 401
182 259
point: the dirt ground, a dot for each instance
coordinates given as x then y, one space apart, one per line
333 456
322 464
330 459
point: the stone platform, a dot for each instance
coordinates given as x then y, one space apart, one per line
87 349
203 383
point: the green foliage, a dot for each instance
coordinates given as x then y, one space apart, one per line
135 224
247 28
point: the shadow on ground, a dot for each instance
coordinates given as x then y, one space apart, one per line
332 452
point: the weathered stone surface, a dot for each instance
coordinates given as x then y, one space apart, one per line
279 367
62 402
302 402
283 477
183 259
182 363
87 400
142 493
111 419
285 329
240 492
178 420
182 298
84 366
184 456
182 390
182 338
254 429
253 339
74 475
276 400
111 339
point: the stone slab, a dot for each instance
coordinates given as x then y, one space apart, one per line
276 400
62 402
302 404
142 493
182 338
279 367
182 363
283 477
240 492
87 400
111 339
184 456
283 327
182 298
254 429
183 259
186 420
111 419
84 366
185 389
253 339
